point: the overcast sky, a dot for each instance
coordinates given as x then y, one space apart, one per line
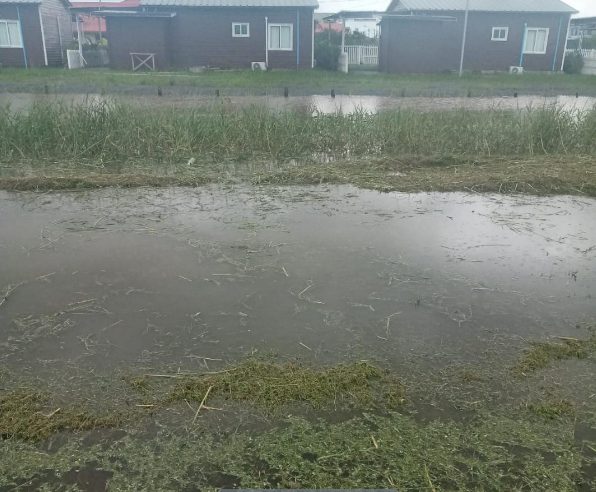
586 7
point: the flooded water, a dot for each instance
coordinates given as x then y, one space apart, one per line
321 103
177 277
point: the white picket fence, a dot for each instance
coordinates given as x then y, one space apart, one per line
585 53
589 53
362 55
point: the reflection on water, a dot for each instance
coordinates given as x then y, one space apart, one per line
320 103
159 276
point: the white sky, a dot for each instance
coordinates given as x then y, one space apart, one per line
586 7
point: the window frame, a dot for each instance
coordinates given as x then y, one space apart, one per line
537 29
11 44
280 25
503 28
247 24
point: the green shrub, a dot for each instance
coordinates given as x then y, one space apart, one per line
573 63
589 43
326 52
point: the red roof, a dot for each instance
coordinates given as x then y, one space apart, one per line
92 23
124 4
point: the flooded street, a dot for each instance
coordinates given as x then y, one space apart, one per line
177 277
326 319
321 103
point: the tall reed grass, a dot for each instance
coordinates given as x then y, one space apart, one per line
114 132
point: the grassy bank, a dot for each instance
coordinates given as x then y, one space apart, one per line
539 151
299 83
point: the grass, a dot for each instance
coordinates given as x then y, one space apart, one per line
553 409
26 415
493 452
544 175
275 386
495 447
541 151
111 133
542 354
299 83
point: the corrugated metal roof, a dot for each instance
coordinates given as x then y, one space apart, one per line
231 3
483 5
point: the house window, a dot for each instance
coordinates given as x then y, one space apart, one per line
500 34
240 30
536 41
281 37
10 34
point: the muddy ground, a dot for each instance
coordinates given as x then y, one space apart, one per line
446 292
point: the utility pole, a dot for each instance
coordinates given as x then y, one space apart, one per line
463 41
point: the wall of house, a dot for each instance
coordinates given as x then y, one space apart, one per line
57 29
203 37
14 57
412 46
138 35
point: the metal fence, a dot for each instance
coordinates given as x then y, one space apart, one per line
362 55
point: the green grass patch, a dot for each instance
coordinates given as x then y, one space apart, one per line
27 415
500 446
492 452
542 151
542 354
113 134
274 386
301 82
552 409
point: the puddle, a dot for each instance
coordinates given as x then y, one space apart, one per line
196 277
320 103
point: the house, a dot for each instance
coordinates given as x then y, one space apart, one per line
423 36
166 34
582 27
93 27
34 33
322 25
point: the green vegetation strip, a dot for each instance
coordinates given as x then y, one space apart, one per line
492 452
26 415
537 176
542 354
542 151
274 386
498 448
299 83
114 133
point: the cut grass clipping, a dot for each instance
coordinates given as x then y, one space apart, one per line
26 415
541 354
273 386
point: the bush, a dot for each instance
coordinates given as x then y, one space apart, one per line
326 52
589 43
573 63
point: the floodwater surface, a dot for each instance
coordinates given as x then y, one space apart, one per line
177 277
319 103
